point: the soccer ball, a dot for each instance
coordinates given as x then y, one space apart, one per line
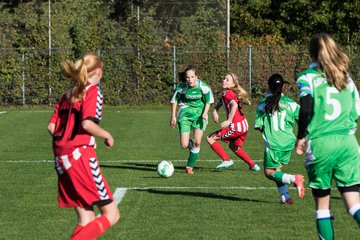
165 169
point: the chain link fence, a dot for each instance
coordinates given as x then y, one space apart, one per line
131 77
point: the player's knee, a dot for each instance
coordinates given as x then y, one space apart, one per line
210 139
269 173
268 176
85 219
113 215
196 144
233 147
184 145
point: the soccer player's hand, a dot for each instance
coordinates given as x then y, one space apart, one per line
109 141
225 123
173 122
215 116
300 145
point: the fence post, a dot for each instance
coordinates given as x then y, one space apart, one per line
98 52
50 53
227 33
23 77
174 65
250 68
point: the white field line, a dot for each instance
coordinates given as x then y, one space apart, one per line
119 195
140 111
35 111
3 112
114 161
116 111
198 187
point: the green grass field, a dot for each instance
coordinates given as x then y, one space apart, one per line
233 204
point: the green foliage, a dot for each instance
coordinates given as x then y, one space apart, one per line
10 70
140 50
296 21
253 18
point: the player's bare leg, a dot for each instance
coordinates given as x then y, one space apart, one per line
212 139
109 216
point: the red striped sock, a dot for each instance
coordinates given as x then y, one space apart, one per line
243 155
93 229
216 146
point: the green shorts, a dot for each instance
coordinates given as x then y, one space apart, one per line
276 158
191 118
333 157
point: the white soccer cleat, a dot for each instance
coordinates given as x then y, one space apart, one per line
255 168
225 164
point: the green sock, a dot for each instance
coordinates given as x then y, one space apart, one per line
357 218
278 176
193 156
324 225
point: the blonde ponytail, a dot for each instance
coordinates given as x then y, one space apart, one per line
331 60
79 72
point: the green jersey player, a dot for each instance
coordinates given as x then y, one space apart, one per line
330 106
275 118
194 98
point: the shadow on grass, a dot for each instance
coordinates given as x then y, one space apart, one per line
336 198
133 166
152 167
201 194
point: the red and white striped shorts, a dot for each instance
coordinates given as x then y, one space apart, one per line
80 181
235 133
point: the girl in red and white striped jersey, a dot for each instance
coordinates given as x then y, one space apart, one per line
74 126
235 128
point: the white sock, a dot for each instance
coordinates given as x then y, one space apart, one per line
288 178
354 209
323 213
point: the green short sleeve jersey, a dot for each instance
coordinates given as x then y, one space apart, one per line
277 128
195 97
334 111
